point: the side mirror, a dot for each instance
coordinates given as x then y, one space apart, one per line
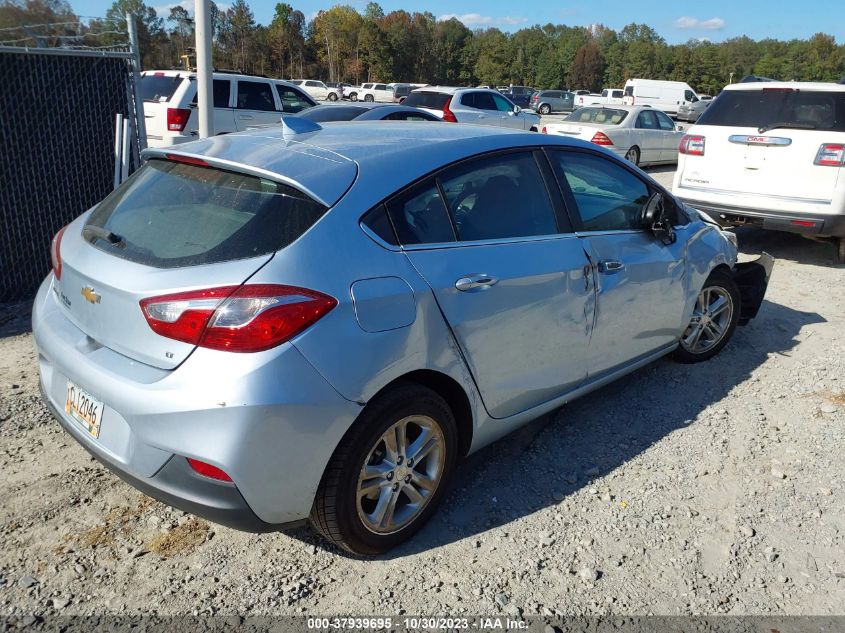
655 219
517 109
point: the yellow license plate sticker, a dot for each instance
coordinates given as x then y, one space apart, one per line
84 408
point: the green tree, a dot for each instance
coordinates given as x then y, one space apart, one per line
588 68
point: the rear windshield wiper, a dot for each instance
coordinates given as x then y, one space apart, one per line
90 230
787 124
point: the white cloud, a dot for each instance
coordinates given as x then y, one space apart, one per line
687 22
476 19
163 10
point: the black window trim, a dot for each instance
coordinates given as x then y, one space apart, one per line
558 204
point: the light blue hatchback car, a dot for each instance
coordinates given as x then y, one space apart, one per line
316 322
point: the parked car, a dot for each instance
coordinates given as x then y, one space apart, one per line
334 365
170 103
639 134
363 111
692 111
582 92
663 95
771 155
371 92
472 105
608 96
317 89
401 91
548 101
336 89
520 95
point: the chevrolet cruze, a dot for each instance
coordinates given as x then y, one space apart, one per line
309 322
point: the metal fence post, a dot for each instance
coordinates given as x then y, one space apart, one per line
136 75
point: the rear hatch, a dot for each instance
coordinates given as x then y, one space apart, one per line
430 101
157 91
769 142
176 226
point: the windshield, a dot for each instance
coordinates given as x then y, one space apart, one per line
814 110
430 100
157 88
610 116
172 214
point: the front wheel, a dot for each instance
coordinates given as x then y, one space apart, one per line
369 98
388 473
353 96
713 321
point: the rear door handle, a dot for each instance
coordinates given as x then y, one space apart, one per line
610 266
245 117
476 281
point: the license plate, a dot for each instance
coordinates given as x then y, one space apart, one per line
84 408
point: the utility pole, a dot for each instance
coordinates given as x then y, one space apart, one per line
205 94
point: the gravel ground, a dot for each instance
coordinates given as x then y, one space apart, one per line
708 489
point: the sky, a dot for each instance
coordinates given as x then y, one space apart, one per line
677 22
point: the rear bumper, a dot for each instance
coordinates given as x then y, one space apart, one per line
753 280
269 420
811 223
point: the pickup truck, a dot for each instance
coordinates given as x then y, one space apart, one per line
608 96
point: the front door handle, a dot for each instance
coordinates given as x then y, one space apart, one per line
245 117
610 266
476 281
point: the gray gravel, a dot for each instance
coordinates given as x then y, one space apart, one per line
708 489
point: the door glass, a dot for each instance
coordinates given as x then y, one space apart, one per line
292 100
665 122
647 121
502 104
420 217
484 101
221 89
498 197
609 197
255 95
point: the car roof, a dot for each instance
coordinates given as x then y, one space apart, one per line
794 85
325 162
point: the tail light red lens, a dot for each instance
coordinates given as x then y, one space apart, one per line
56 253
207 470
249 318
544 130
177 119
448 115
831 155
692 145
600 138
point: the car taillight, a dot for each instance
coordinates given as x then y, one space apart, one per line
249 318
177 119
448 115
207 470
56 252
600 138
831 154
544 130
692 145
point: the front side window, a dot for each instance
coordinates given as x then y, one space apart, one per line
608 196
172 214
502 104
647 121
498 197
664 122
690 96
255 95
292 100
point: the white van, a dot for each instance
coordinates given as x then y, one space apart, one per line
240 101
770 155
663 95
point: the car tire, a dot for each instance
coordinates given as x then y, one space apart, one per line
349 519
369 98
332 96
545 109
633 155
353 96
701 342
839 252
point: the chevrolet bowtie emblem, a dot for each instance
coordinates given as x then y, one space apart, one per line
90 295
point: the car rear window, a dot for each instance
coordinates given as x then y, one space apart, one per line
816 110
172 214
323 114
430 100
159 87
611 116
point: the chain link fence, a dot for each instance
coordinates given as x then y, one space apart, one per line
57 143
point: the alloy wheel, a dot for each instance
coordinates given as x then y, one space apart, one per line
710 321
401 474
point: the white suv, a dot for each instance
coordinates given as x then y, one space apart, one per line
472 105
240 101
319 90
771 155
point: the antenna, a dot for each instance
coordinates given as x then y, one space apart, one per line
292 125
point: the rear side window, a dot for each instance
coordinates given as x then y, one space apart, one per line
172 214
803 109
221 89
430 100
293 100
419 216
255 95
498 197
609 197
157 88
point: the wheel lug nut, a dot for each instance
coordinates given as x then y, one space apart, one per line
407 479
399 461
410 463
395 487
389 476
